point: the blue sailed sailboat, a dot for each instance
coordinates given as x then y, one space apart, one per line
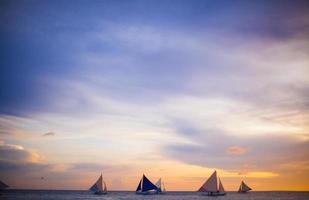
145 186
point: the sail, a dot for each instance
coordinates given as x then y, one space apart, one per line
139 187
97 187
148 185
211 184
3 185
221 188
163 187
158 184
244 188
105 188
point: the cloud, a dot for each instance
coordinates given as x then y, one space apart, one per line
213 148
20 165
236 150
49 134
23 168
17 153
13 170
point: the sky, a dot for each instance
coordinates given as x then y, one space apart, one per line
172 89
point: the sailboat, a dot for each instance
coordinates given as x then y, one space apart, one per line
145 186
211 187
3 186
160 186
99 187
243 188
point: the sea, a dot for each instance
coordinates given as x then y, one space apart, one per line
85 195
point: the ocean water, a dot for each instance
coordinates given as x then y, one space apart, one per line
85 195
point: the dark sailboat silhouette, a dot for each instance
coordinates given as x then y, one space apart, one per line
243 188
145 186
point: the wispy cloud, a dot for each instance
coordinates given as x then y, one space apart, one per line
236 150
49 134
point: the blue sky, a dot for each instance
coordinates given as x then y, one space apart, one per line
44 39
204 84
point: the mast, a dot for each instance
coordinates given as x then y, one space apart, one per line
221 188
164 190
105 188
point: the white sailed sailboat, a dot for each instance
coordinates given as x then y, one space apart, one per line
211 187
99 187
160 186
243 188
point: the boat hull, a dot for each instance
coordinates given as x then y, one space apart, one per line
214 194
100 193
147 193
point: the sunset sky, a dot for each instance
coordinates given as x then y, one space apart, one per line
172 89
